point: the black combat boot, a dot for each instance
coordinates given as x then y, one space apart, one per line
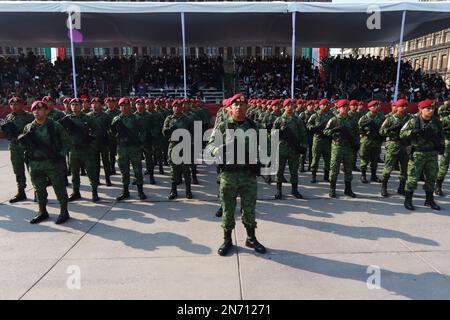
332 192
401 187
63 214
173 192
95 196
279 194
384 191
251 241
75 195
408 200
326 176
363 176
429 202
41 215
313 177
113 169
125 193
348 190
227 243
295 192
374 177
108 181
82 172
161 168
188 191
141 193
20 196
437 189
219 212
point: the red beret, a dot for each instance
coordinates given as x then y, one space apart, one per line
124 101
238 96
287 101
353 102
93 100
372 103
67 100
148 101
275 102
15 100
107 99
176 102
139 100
48 98
323 101
75 100
342 103
400 103
425 103
84 97
38 105
360 103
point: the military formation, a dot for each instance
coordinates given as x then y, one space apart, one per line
93 134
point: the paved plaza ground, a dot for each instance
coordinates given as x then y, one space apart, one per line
318 248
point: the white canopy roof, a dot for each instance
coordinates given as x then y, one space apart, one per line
324 24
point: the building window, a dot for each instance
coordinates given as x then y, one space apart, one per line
99 52
266 51
239 51
126 51
434 63
427 41
155 51
416 63
425 64
444 62
212 51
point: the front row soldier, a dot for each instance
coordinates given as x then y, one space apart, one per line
445 158
178 120
46 144
112 111
236 179
13 127
127 129
321 146
371 141
396 148
82 131
426 137
147 126
293 140
345 142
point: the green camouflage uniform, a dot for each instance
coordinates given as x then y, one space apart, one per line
103 122
445 158
305 116
148 127
321 143
371 141
112 140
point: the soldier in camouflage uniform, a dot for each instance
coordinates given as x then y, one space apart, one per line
46 144
293 139
103 122
160 141
82 131
356 113
112 111
345 142
305 116
236 179
13 127
321 143
425 134
371 141
445 158
129 133
395 147
444 109
147 126
178 120
53 113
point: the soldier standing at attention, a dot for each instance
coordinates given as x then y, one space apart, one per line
236 179
127 129
344 133
67 108
103 122
13 127
147 140
293 141
112 111
178 120
53 113
46 143
321 143
371 141
395 147
426 137
356 114
305 116
82 130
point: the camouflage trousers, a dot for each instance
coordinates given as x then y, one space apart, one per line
422 162
395 153
104 155
88 158
341 154
369 153
112 152
444 161
321 148
17 157
291 157
130 155
149 155
232 185
43 171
